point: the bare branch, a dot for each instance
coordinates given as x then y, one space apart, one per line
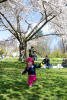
10 38
29 25
16 33
35 28
47 35
8 22
41 20
7 27
40 28
44 11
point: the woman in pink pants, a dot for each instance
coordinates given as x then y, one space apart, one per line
31 69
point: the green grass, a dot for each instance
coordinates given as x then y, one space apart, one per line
10 59
53 61
51 83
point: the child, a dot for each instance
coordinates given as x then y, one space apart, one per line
31 69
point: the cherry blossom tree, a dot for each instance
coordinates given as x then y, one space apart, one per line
25 18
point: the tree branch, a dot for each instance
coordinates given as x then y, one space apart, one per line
7 27
40 28
16 35
41 20
8 22
29 25
35 27
47 35
44 11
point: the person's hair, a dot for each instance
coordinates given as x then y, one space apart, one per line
46 56
32 47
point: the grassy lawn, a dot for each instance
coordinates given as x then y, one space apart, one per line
51 83
53 61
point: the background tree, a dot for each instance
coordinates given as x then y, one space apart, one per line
63 44
43 46
9 46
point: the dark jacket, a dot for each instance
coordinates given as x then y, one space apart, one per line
31 70
46 61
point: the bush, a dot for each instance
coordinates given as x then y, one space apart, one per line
10 55
57 54
1 52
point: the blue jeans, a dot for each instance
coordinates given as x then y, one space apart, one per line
35 58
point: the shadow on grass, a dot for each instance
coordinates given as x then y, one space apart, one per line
2 98
12 89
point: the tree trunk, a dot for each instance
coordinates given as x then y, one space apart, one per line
63 45
23 51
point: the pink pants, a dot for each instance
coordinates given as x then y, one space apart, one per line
31 79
